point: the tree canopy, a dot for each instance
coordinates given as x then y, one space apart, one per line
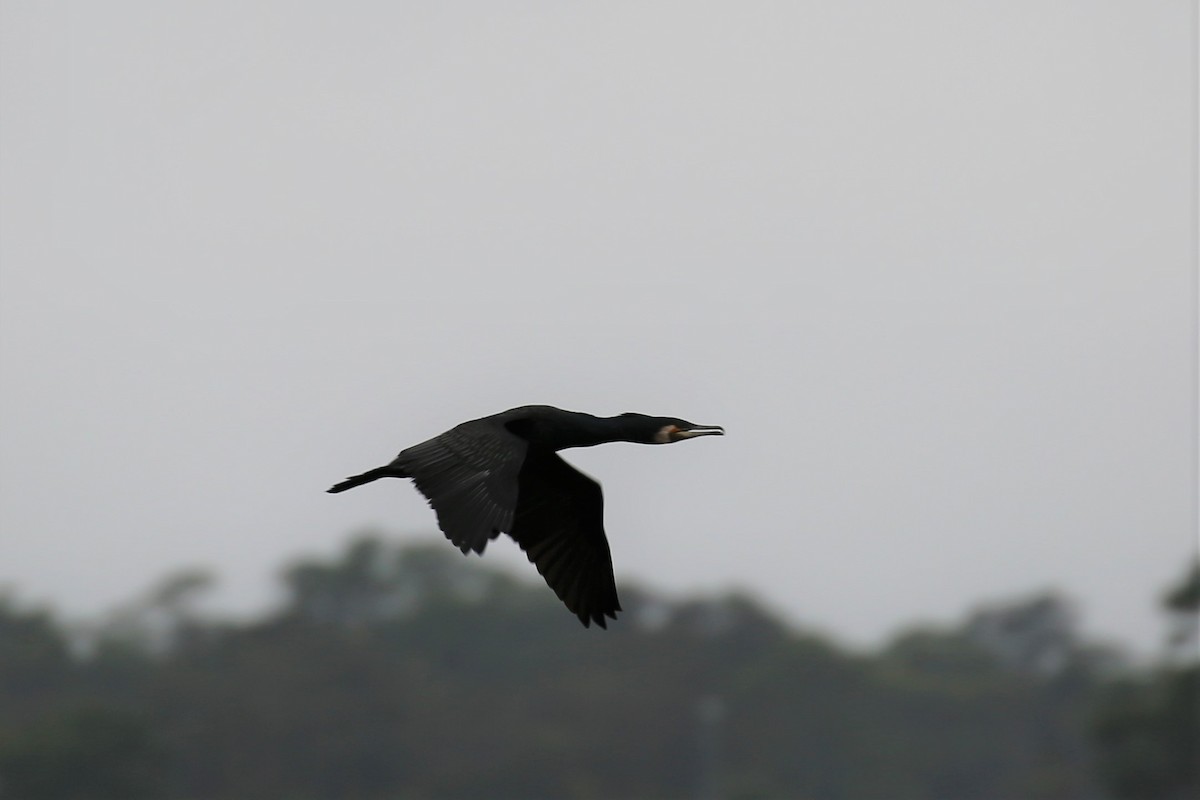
410 672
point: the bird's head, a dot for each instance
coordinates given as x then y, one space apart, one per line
664 430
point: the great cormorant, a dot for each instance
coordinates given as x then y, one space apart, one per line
501 474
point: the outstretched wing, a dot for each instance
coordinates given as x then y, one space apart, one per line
469 475
559 523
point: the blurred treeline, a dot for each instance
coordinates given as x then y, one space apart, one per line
411 672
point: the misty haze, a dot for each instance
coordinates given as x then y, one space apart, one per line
932 266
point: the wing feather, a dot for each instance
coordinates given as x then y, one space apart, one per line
559 523
469 475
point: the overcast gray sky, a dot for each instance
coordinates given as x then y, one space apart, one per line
930 263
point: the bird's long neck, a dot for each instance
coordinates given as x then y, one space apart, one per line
575 429
601 430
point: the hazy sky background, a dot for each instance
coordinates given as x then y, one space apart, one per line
930 263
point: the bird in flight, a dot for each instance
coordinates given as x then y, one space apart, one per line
502 474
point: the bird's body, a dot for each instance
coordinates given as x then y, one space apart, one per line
502 474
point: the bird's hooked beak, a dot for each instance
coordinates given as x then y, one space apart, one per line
697 430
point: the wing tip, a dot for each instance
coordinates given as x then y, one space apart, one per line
599 617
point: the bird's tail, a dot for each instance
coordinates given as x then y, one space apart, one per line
388 471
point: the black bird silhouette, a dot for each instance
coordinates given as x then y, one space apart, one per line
502 474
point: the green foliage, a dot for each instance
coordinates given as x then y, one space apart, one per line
1185 596
89 753
1148 736
417 673
36 668
1147 728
